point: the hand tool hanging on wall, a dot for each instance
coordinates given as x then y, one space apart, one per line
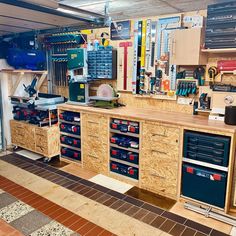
198 74
125 45
148 44
143 45
137 56
135 60
212 73
153 42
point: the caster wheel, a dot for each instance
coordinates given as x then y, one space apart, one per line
15 148
46 159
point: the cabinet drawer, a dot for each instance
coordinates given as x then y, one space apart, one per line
40 132
94 143
156 155
155 132
163 182
39 148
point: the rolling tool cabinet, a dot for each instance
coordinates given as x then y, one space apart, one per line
42 140
70 144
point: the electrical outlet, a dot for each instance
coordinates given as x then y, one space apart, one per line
184 101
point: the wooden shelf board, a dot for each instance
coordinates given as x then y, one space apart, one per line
220 50
70 135
206 164
70 159
71 147
124 162
122 133
25 71
69 122
160 97
127 149
123 176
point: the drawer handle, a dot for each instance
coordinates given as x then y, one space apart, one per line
93 122
157 175
93 136
41 148
159 152
217 152
161 135
95 157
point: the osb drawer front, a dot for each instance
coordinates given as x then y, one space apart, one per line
154 132
96 141
160 181
53 141
96 161
162 147
153 155
29 137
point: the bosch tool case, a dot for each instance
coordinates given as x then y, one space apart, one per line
204 184
124 155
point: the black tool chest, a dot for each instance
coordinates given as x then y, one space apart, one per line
205 167
124 148
70 135
102 64
213 149
220 27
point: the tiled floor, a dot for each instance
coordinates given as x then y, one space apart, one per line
34 215
134 212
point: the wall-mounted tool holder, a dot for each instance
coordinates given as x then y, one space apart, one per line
70 133
186 87
124 148
102 64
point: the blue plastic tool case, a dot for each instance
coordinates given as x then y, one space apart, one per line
122 169
70 116
125 126
124 141
204 184
67 152
74 142
208 148
102 64
69 128
124 155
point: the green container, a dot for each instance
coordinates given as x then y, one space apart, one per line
75 58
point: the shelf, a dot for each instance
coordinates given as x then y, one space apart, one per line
220 50
204 111
71 159
25 71
205 164
158 96
124 162
59 55
70 135
71 147
122 133
69 122
127 149
123 176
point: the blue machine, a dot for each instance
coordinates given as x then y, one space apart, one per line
26 59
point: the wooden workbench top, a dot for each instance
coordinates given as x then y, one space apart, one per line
173 118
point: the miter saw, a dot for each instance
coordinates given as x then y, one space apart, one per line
106 97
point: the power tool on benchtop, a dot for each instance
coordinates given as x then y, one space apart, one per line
78 76
106 97
30 89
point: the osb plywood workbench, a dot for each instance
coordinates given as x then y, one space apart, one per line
160 146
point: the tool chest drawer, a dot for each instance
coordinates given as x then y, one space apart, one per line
67 152
125 170
124 141
74 142
125 126
70 116
204 184
209 148
69 128
124 155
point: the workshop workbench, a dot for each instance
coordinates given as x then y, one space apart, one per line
161 146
